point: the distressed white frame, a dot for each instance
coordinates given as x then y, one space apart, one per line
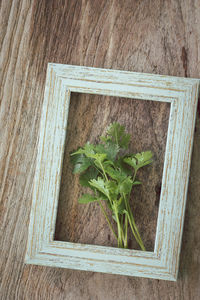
182 94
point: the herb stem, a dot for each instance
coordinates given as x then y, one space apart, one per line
133 231
126 232
107 219
122 229
133 225
104 173
116 137
134 175
120 245
136 230
98 170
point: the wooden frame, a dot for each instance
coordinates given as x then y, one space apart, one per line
182 93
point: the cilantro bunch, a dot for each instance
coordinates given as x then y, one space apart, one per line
111 175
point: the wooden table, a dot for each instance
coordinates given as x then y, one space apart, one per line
160 37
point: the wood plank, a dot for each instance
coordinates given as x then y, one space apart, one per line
156 37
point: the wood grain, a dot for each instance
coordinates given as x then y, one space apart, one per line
131 35
89 116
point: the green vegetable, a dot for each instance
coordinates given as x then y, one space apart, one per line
111 177
86 198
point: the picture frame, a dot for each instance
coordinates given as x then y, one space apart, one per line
163 262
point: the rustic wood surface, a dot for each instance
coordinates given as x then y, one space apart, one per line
89 116
146 36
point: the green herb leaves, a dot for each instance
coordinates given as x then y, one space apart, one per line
139 160
125 186
100 185
81 163
109 177
116 135
85 177
86 198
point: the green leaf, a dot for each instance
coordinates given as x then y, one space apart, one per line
100 157
137 182
101 196
121 206
106 139
87 198
144 158
110 149
117 175
100 185
123 167
88 150
117 135
114 217
81 163
125 139
99 160
126 186
131 161
139 160
113 189
108 163
84 178
100 148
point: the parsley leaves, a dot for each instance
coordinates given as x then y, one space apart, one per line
111 177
